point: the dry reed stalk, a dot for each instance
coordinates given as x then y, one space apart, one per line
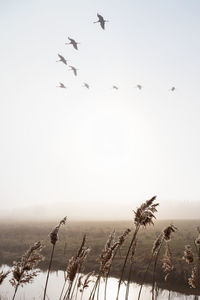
188 254
53 239
3 276
23 271
156 246
167 262
105 260
154 271
167 232
84 284
193 279
121 240
92 294
130 268
74 266
143 216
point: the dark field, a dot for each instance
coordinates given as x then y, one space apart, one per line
17 237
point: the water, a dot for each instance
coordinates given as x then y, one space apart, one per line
34 291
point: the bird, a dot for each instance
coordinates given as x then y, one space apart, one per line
101 21
62 59
61 85
139 86
173 89
73 43
115 87
74 70
86 85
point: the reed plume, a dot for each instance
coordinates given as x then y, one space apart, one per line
3 276
167 232
23 271
53 239
193 279
105 260
157 243
74 266
143 216
155 249
167 262
107 255
188 254
120 242
166 236
82 285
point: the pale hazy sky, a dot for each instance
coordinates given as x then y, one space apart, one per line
100 149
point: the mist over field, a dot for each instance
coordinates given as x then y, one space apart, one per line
99 152
97 212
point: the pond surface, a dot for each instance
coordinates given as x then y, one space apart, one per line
34 291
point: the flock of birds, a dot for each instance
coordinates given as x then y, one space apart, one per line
72 42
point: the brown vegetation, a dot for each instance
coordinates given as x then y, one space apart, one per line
126 257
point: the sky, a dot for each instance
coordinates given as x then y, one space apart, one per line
99 153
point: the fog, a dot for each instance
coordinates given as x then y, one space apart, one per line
98 153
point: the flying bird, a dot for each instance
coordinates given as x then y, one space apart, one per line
74 70
73 43
139 86
115 87
173 89
101 21
62 59
62 86
86 85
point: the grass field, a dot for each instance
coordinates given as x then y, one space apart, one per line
17 237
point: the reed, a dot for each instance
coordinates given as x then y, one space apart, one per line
23 271
167 232
143 216
53 240
105 260
74 267
121 240
3 276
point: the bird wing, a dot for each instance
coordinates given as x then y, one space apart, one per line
75 45
100 17
74 70
61 57
102 23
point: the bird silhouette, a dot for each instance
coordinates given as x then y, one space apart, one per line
62 59
86 85
74 70
173 89
101 21
73 43
62 86
139 86
115 87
